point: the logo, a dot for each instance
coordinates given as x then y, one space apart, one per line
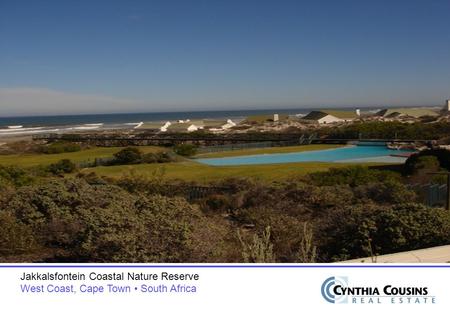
337 289
328 287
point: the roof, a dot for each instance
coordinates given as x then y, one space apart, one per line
413 112
213 123
152 125
182 126
343 114
264 118
316 115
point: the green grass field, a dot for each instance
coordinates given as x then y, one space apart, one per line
187 170
84 155
270 150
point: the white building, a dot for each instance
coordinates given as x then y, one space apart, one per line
165 126
330 116
447 106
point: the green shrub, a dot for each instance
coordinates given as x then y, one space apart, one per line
389 192
186 150
360 231
129 155
60 147
426 162
160 157
62 166
149 158
259 249
164 157
15 237
217 203
388 130
105 223
14 175
418 161
353 176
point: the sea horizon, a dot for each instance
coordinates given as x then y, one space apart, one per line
136 117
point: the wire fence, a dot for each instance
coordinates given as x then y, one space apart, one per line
433 195
303 140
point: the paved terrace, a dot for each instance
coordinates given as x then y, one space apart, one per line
439 254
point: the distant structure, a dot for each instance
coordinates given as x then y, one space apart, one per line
219 128
186 126
406 112
165 126
447 106
193 125
331 116
358 112
276 117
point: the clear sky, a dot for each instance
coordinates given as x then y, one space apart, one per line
89 56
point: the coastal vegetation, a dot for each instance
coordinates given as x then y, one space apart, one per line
116 161
187 150
330 216
85 155
192 171
134 156
157 204
388 130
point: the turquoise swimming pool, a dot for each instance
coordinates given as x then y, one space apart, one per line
353 154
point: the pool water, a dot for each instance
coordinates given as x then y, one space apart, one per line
353 154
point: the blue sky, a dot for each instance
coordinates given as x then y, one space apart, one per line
109 56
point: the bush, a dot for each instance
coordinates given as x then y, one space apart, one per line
62 166
160 157
353 176
417 160
427 163
149 158
186 150
164 157
133 182
14 175
15 237
60 147
388 130
105 223
218 203
129 155
360 231
389 192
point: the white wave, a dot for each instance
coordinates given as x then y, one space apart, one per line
29 131
85 128
15 127
9 130
94 124
139 125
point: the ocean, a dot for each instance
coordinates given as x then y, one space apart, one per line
115 119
